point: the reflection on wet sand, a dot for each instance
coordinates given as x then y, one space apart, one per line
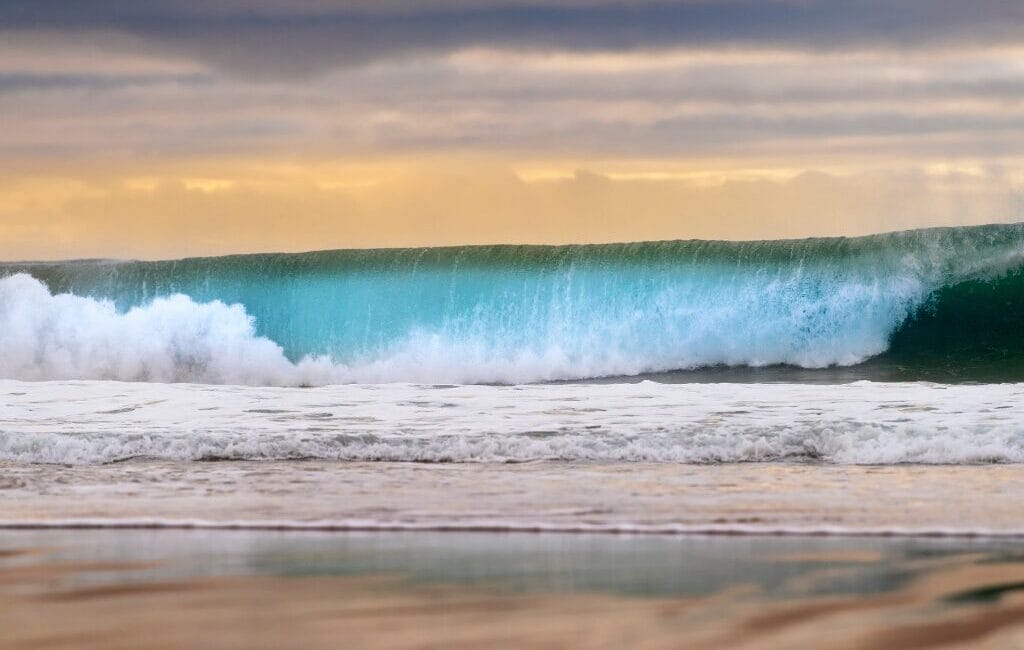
952 597
552 496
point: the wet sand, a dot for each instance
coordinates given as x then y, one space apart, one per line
176 589
313 554
542 496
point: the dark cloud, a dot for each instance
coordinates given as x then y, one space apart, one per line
23 82
280 39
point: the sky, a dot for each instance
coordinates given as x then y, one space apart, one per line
165 129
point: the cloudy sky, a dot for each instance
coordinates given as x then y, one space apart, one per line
162 129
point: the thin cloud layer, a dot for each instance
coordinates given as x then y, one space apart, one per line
283 39
78 101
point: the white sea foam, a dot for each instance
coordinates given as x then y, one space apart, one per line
859 423
171 339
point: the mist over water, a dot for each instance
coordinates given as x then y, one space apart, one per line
940 298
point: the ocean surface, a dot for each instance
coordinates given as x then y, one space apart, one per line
899 350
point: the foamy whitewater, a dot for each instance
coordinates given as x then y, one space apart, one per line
858 423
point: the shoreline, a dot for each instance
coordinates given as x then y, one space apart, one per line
550 497
483 529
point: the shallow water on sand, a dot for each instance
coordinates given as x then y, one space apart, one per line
231 589
664 498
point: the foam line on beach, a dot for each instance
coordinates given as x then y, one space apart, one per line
863 423
363 525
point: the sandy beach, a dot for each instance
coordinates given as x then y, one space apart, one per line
168 589
318 554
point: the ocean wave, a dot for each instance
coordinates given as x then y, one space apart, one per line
519 314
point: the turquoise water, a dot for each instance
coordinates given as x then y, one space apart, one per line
939 298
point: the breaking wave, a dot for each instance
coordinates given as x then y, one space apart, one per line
950 297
